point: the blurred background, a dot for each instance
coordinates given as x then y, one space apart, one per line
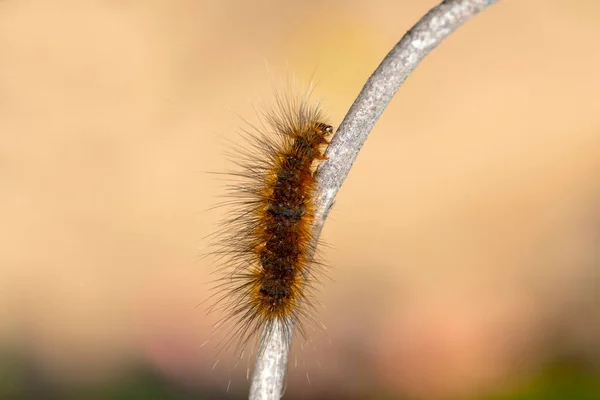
464 245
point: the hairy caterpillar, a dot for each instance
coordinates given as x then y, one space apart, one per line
265 244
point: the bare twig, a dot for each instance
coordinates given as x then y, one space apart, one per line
269 371
268 378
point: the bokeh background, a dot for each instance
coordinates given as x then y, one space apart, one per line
464 245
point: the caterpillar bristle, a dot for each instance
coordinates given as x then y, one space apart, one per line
265 246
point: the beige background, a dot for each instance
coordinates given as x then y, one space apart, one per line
464 242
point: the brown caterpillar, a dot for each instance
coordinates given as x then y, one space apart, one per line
265 244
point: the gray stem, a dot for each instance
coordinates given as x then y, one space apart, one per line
269 371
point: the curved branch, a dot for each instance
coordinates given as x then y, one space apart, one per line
268 377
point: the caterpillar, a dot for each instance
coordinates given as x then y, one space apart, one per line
265 244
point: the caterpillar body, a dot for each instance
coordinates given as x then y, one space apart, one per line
265 243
